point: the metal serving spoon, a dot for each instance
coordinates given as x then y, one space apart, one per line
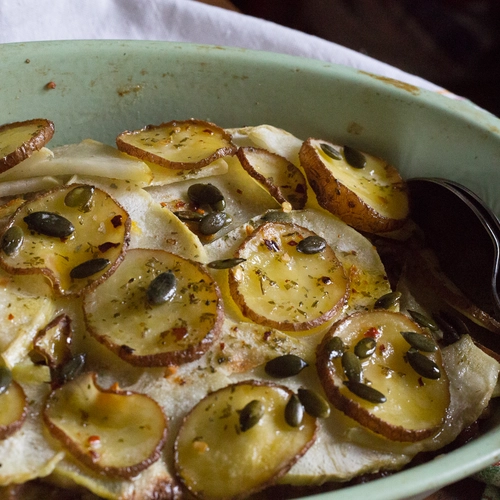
465 235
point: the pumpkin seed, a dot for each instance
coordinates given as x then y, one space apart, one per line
284 366
189 215
12 240
390 300
420 342
69 370
211 223
88 268
423 320
207 194
352 366
225 263
354 157
365 392
162 288
335 347
314 404
5 378
49 224
277 216
423 365
80 197
311 245
330 151
251 414
294 411
365 347
452 326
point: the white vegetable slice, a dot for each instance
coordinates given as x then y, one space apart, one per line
176 331
279 286
13 409
215 458
416 403
115 432
178 144
281 178
100 233
370 198
19 140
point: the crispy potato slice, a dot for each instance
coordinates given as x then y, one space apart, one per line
279 286
281 178
100 236
115 432
19 140
145 333
415 405
187 144
371 198
13 408
219 455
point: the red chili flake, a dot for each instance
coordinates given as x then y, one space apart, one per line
420 382
326 280
208 131
116 221
10 316
292 243
51 85
104 247
179 204
382 347
179 332
372 332
239 191
267 335
222 345
272 245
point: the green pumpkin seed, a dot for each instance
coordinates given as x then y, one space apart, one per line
88 268
452 326
314 404
207 194
390 300
225 263
354 157
335 347
12 240
294 411
80 197
420 342
284 366
251 414
423 365
365 392
330 151
5 378
277 216
189 215
49 224
423 320
311 245
212 223
69 370
365 347
352 366
162 289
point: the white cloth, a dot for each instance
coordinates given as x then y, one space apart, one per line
174 20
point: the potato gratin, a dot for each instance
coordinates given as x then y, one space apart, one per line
205 312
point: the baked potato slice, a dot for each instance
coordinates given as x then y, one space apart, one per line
188 144
284 181
280 285
112 431
365 191
13 404
74 235
237 441
383 387
158 309
18 140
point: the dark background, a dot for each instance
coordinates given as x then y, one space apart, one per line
453 43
